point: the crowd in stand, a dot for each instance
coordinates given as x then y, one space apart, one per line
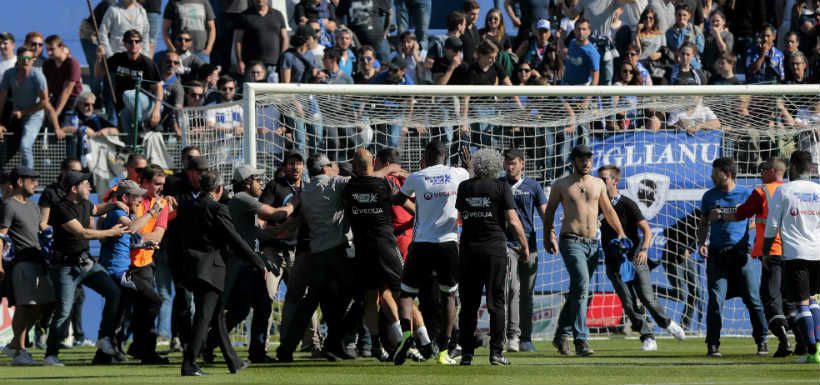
211 51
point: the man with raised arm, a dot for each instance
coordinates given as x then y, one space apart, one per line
581 195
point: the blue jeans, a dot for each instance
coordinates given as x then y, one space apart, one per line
747 285
638 289
203 56
66 278
165 286
417 11
580 255
301 130
134 112
30 127
155 26
482 132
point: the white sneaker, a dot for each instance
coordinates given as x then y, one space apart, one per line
513 345
9 351
24 359
676 331
52 361
105 345
649 345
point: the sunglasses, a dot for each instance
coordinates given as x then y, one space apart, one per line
184 39
174 62
133 41
25 58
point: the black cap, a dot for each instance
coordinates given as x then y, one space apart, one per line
22 172
73 178
513 153
581 150
398 63
197 163
453 43
294 154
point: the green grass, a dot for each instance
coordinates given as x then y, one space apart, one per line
616 361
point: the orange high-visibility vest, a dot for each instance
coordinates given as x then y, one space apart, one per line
767 191
144 257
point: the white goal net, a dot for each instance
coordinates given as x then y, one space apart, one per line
664 139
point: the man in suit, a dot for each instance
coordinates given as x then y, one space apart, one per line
207 230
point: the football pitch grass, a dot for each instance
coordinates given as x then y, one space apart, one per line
616 361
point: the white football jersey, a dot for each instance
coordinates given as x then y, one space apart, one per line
435 188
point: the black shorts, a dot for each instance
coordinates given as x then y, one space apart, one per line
379 266
801 279
423 259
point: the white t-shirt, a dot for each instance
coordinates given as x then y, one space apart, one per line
225 118
795 211
700 114
435 188
6 64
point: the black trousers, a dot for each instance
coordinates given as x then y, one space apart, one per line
145 303
330 283
182 315
208 313
771 283
248 291
482 268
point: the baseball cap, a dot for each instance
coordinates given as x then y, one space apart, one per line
294 154
453 43
130 187
73 178
513 153
198 163
22 172
244 172
543 24
6 36
581 150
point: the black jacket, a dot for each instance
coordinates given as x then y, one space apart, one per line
206 233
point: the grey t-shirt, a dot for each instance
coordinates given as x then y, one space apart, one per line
295 65
323 211
26 93
23 222
599 14
192 15
243 208
632 13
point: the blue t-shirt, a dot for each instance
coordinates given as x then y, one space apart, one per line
724 234
580 62
115 253
527 195
26 93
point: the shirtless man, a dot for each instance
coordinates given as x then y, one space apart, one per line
581 195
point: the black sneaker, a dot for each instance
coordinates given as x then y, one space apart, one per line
763 349
466 360
498 359
783 349
582 349
800 349
427 351
713 351
400 355
562 344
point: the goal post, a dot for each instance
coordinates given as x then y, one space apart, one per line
664 138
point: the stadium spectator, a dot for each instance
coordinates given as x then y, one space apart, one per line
434 247
798 73
88 125
747 19
638 285
228 17
31 288
764 62
684 71
370 21
579 194
627 75
487 211
800 244
124 16
207 232
792 47
471 38
129 68
153 9
34 41
699 117
729 270
322 11
63 76
261 35
757 205
366 70
582 63
415 13
683 31
664 13
456 25
529 198
534 51
72 266
189 63
7 55
88 36
495 31
172 91
411 52
651 41
332 74
724 72
30 106
344 40
209 75
633 54
197 18
315 49
719 40
530 12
